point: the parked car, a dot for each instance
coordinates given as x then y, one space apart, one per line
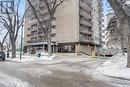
107 53
2 56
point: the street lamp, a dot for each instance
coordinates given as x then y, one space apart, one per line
21 48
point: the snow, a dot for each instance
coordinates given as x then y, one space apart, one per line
30 58
116 67
8 81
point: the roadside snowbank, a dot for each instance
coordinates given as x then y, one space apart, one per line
29 58
116 67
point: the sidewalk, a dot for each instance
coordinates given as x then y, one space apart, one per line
116 67
56 58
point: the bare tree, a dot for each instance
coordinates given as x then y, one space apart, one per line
3 40
12 21
115 33
51 6
122 11
8 45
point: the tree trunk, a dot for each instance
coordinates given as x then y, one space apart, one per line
128 48
122 44
128 53
1 47
49 39
13 49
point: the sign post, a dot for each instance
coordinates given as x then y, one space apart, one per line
21 48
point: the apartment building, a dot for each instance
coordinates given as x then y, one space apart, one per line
77 26
34 36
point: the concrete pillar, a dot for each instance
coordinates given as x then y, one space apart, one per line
56 48
43 47
77 48
53 47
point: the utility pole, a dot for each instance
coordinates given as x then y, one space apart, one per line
21 48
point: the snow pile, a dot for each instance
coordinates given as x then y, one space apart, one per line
22 60
8 81
116 67
27 58
47 58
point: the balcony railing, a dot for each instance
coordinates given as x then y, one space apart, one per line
31 41
53 31
41 34
101 14
89 40
85 14
86 31
89 2
85 7
101 19
101 25
28 35
85 22
38 41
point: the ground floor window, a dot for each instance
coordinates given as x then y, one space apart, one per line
66 48
41 48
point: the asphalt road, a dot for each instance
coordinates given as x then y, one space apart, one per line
63 74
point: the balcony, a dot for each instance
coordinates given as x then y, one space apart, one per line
31 41
86 31
101 26
28 35
101 14
41 34
85 7
100 9
41 41
89 2
53 39
53 31
86 23
100 2
87 40
28 41
53 22
85 14
101 20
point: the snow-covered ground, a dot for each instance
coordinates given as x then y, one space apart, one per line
44 59
30 58
116 67
74 65
8 81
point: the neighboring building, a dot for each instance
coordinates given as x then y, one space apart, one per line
105 33
76 27
116 38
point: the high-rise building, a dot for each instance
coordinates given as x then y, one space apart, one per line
76 29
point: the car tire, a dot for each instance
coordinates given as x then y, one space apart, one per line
3 59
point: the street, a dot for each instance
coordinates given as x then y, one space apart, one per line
57 74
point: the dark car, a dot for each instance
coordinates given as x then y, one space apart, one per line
2 56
